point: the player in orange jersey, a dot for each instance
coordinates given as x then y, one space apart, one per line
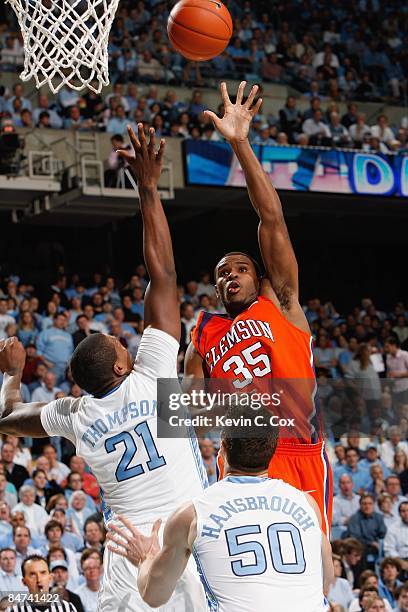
265 334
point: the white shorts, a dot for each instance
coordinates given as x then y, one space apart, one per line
119 592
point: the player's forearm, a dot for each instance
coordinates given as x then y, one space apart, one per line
154 585
262 193
157 245
10 394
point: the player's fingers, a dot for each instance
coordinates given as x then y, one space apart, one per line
133 139
156 527
152 141
240 92
256 108
160 152
118 551
224 94
142 138
129 525
214 118
117 540
123 534
251 96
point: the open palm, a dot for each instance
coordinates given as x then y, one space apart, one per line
234 125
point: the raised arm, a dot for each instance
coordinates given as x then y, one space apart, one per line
159 569
16 418
161 305
276 249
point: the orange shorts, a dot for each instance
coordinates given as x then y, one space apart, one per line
306 467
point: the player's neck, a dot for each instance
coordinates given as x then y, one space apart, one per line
231 472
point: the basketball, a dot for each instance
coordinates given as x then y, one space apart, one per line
199 29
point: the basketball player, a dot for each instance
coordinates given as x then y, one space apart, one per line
265 334
258 542
114 428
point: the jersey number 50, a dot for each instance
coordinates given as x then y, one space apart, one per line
291 545
244 373
123 471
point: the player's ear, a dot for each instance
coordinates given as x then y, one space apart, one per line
119 368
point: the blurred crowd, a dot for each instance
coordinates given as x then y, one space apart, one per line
50 503
344 50
329 52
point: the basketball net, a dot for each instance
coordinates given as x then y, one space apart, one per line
66 41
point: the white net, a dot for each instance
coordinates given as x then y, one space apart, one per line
66 41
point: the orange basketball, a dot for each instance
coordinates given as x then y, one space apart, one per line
199 29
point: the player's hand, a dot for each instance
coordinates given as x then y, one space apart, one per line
131 543
145 162
234 125
12 356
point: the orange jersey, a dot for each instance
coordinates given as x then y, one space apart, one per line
257 346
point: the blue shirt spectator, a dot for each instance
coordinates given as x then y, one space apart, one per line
360 475
55 345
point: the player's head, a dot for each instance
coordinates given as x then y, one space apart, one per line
237 280
248 441
99 362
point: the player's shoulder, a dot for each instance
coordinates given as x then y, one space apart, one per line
67 406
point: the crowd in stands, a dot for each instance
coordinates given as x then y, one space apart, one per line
342 50
330 53
49 502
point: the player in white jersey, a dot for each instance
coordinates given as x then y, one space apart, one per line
115 428
257 541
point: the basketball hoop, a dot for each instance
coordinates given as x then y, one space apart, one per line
66 41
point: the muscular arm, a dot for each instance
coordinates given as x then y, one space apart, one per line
161 305
276 249
158 574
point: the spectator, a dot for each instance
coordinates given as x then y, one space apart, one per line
389 447
382 131
36 517
10 577
340 591
16 474
389 583
118 124
22 544
78 511
397 369
359 474
367 526
90 486
401 596
5 319
88 592
359 130
6 496
317 132
93 535
69 539
385 507
53 532
345 503
396 539
58 471
55 346
351 559
47 390
364 378
55 120
60 577
393 488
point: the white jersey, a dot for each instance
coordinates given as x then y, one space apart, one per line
258 547
141 476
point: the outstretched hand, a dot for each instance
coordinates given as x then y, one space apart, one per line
145 163
131 543
234 125
12 356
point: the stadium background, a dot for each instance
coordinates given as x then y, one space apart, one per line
348 247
